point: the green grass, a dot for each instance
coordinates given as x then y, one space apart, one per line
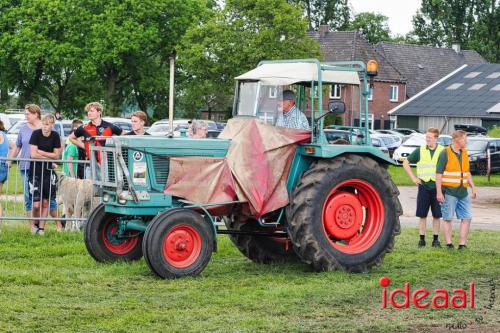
400 177
50 283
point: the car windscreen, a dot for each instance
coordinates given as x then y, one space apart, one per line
476 145
158 128
16 128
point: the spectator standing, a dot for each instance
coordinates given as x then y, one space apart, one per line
32 114
45 145
426 157
71 153
95 127
4 170
139 120
453 178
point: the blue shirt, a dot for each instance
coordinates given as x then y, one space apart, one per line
23 142
294 118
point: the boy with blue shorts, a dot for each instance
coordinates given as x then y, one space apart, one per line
453 178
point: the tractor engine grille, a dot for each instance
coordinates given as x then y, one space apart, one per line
111 163
160 166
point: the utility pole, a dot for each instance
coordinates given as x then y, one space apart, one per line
171 94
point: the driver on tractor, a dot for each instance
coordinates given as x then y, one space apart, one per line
289 114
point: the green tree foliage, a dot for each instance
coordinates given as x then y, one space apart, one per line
373 26
233 41
472 23
72 52
334 13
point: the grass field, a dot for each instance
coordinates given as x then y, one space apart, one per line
400 177
50 283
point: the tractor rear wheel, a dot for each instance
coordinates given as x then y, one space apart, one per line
178 243
259 249
344 214
102 242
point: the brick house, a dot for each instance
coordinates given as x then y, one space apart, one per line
389 88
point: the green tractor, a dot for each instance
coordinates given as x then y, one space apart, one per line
280 194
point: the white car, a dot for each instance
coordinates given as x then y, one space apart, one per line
414 141
161 127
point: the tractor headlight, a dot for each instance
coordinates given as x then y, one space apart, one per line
122 198
105 197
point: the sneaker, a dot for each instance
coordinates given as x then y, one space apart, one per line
450 246
40 232
421 243
34 230
436 243
462 247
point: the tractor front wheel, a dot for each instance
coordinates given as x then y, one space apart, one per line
104 244
344 214
178 243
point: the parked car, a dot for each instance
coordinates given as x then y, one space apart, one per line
391 132
392 142
478 148
333 135
124 123
414 141
379 143
161 127
406 131
471 129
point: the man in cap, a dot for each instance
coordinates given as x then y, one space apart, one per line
292 117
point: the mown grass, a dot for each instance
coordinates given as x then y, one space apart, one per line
400 177
50 283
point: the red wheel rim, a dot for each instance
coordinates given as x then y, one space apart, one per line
353 216
182 246
119 246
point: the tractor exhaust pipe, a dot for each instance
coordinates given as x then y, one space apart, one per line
171 94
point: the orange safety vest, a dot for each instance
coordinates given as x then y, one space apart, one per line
456 174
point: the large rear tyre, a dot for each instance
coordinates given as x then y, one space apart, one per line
102 242
178 243
344 214
260 249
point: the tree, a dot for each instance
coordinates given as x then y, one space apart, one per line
467 22
373 26
130 42
485 37
334 13
233 41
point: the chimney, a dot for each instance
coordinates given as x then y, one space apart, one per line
323 30
456 47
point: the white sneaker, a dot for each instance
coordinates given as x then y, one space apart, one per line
34 230
40 232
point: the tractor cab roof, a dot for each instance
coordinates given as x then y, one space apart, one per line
287 73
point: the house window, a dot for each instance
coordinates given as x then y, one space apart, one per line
273 92
335 91
370 94
454 86
393 93
472 75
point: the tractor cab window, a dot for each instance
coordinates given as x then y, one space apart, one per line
259 100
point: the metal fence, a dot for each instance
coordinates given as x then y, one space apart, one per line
23 193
